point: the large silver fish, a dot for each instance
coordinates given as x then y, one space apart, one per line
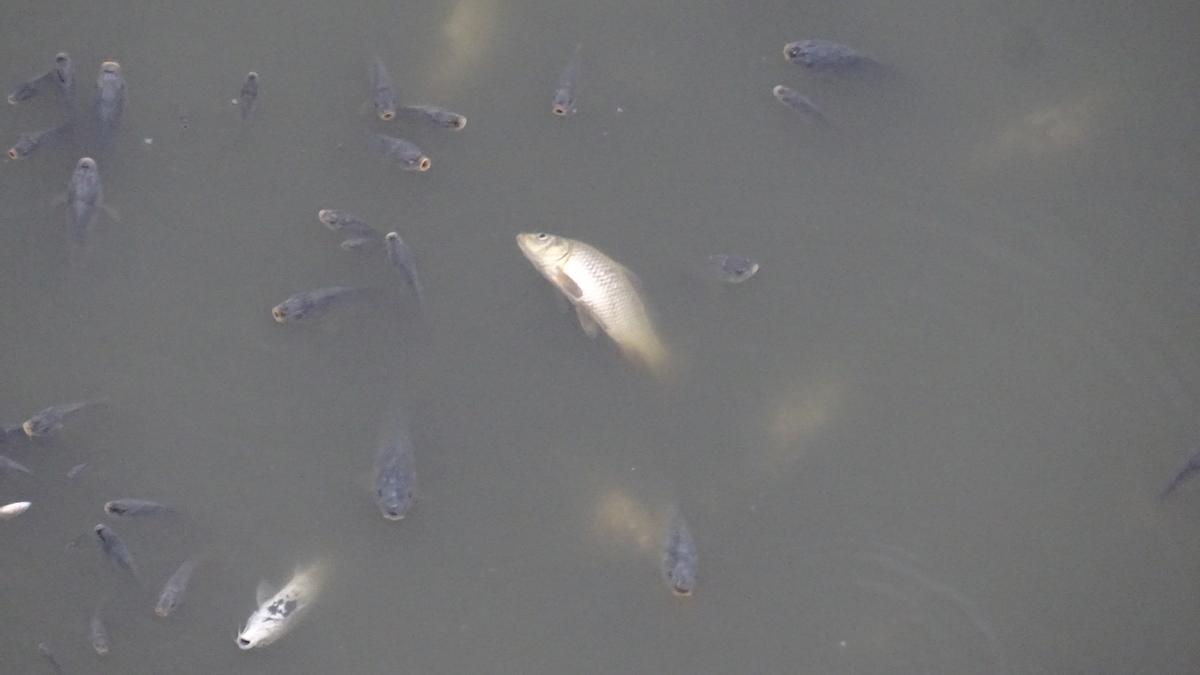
604 293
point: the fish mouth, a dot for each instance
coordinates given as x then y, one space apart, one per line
279 315
388 515
243 643
110 67
560 110
13 154
460 123
681 592
27 427
387 115
162 611
423 164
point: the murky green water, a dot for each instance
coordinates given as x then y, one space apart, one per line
927 437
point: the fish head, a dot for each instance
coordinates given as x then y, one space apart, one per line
394 500
681 576
543 249
110 68
260 631
85 165
291 309
457 122
40 424
794 51
331 218
564 102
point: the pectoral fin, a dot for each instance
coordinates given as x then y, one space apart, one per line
567 284
586 322
264 592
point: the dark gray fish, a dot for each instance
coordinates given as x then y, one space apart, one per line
732 269
74 471
110 100
27 89
248 94
173 591
8 464
29 142
438 116
401 153
97 633
383 96
48 654
134 507
116 550
63 76
395 470
568 85
680 562
356 231
825 57
50 420
402 258
312 305
85 195
1191 468
801 104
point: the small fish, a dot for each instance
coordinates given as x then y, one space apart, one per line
356 231
402 258
8 464
28 142
801 104
116 550
51 419
1191 468
732 269
395 470
74 471
97 633
249 94
27 89
110 100
134 507
825 57
279 612
176 587
48 654
85 196
382 94
679 560
312 305
10 511
438 116
604 293
401 153
568 86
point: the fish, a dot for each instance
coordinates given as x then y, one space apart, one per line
1189 469
801 104
85 196
732 269
312 305
402 258
50 420
63 76
8 464
48 654
74 471
383 96
395 470
27 89
97 633
134 507
249 94
117 551
29 142
438 116
279 612
401 153
604 293
174 590
356 230
679 560
110 100
568 85
10 511
7 430
826 57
